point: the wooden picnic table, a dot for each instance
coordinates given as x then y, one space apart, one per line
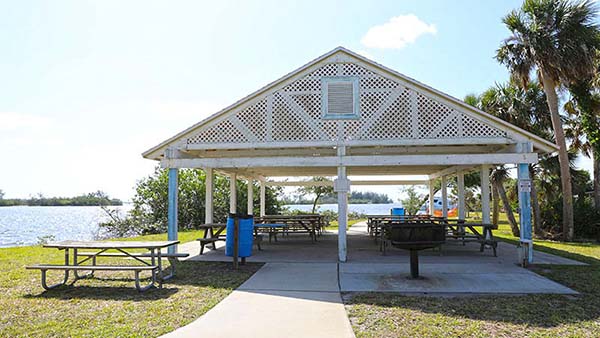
213 232
310 224
125 249
456 228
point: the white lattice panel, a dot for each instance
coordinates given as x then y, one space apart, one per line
387 111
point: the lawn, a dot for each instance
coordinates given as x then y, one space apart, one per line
333 225
108 306
392 315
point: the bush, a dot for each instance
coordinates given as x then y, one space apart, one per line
150 203
587 219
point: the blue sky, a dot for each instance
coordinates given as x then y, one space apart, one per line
85 86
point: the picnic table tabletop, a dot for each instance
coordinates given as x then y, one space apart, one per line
211 225
71 244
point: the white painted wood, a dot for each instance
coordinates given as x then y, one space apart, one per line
232 193
334 161
208 213
250 197
352 143
444 196
485 193
263 192
460 176
349 57
450 170
353 182
342 211
431 196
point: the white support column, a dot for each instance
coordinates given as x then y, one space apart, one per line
232 193
444 197
526 239
485 194
250 196
208 203
342 186
173 207
431 196
263 195
460 178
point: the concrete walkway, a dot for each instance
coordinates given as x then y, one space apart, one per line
297 292
280 300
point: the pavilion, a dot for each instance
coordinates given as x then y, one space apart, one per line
344 115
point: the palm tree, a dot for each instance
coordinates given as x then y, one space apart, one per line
558 38
583 140
525 108
499 175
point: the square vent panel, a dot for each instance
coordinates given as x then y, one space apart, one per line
340 97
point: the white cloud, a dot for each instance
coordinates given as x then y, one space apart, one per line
398 32
14 121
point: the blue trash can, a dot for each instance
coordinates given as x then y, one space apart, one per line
397 211
245 237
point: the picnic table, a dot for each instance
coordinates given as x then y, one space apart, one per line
311 224
456 228
213 232
147 253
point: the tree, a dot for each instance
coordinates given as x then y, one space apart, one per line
1 194
499 175
558 38
317 191
150 202
584 129
527 109
412 203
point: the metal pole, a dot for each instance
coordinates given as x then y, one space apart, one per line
414 264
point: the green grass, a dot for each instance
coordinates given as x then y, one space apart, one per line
333 225
107 306
588 252
393 315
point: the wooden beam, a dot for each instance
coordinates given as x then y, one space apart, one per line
352 143
349 161
208 212
451 170
352 182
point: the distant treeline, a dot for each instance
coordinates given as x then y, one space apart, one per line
91 199
356 197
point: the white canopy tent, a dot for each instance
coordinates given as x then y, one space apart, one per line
342 114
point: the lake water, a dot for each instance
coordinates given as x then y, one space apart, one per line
367 209
26 225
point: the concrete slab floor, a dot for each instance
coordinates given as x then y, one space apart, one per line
446 279
280 300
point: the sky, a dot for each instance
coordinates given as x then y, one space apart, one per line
87 86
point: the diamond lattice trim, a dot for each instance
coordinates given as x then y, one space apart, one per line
388 111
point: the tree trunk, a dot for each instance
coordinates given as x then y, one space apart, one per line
315 203
514 227
563 158
495 206
535 205
596 159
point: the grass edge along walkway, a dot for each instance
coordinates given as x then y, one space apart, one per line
393 315
107 306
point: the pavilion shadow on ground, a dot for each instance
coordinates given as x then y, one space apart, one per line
455 269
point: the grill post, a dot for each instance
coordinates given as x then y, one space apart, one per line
414 263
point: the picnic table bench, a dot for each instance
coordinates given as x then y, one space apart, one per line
153 254
213 233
